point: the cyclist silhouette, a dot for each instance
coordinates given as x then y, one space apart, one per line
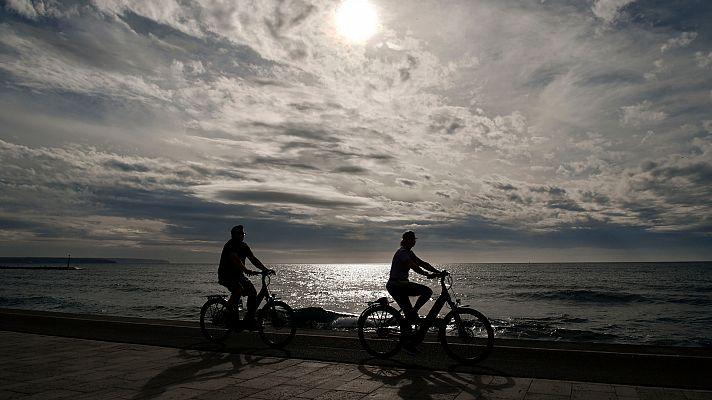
401 288
232 271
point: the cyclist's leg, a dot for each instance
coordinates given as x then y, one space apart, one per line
397 291
235 289
423 292
251 293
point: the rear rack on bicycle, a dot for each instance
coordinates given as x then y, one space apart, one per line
216 296
382 301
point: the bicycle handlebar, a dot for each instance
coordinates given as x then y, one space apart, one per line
441 275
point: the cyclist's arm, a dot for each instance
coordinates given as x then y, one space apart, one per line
257 263
236 260
416 268
423 265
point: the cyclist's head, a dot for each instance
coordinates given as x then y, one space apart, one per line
408 239
237 232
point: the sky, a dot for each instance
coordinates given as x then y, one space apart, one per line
497 130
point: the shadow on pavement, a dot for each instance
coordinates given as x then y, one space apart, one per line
205 362
426 384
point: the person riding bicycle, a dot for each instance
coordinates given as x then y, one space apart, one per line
400 288
232 271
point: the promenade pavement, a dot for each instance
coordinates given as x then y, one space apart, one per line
35 366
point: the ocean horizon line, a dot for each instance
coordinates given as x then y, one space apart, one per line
129 260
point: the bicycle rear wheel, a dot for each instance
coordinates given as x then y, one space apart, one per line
467 335
214 320
379 330
276 324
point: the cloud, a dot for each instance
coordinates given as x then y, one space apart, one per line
641 114
703 61
681 41
176 117
34 9
609 10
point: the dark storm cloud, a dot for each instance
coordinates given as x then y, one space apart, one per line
553 191
602 235
302 131
595 198
126 167
270 196
351 169
504 186
681 15
16 224
406 182
698 172
565 204
613 78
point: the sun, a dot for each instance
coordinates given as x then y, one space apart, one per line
356 20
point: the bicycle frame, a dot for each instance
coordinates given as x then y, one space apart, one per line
264 291
444 297
262 295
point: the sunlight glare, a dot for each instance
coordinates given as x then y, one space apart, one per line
356 20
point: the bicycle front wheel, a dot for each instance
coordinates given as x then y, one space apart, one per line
467 335
214 320
276 324
379 331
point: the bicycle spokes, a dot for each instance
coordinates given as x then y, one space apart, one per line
380 331
467 335
276 324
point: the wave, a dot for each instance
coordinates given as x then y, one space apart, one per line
41 302
585 296
320 318
551 328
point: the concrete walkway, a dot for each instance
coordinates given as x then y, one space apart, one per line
49 367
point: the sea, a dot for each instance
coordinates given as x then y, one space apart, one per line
666 304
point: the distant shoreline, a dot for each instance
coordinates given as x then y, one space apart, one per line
78 260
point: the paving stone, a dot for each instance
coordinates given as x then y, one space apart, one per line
332 383
464 395
697 395
626 391
592 387
209 384
280 392
593 395
384 393
312 393
541 396
659 394
314 379
63 368
295 371
360 385
506 388
178 393
340 395
542 386
228 393
263 382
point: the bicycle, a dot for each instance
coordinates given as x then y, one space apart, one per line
275 319
465 333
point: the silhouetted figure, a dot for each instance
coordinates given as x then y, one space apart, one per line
232 271
401 288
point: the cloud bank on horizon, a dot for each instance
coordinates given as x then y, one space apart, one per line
499 130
